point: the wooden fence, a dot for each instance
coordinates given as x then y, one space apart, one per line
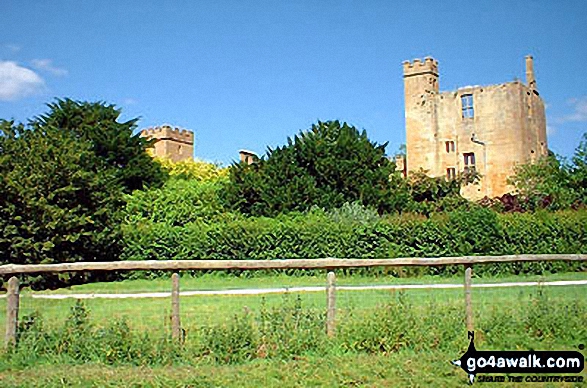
12 302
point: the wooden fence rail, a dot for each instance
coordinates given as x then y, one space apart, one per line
327 263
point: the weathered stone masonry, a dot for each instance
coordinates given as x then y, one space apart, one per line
172 143
487 128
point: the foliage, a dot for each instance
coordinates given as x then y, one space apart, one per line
384 332
177 203
292 331
544 184
342 233
78 341
117 150
437 194
194 170
62 180
233 342
326 166
578 171
551 183
353 213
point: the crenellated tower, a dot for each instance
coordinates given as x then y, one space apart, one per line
487 130
421 76
171 143
421 88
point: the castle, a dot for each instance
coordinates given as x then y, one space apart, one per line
178 144
488 129
172 143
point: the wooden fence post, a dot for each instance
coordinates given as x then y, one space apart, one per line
175 319
331 304
468 304
12 301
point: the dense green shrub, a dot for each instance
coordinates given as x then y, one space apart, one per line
552 182
359 234
326 166
198 170
177 203
62 182
544 185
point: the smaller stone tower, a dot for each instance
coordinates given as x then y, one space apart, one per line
421 88
249 157
171 143
420 77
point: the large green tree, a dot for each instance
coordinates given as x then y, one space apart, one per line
326 166
62 182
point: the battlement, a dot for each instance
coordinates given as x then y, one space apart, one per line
418 67
172 143
166 132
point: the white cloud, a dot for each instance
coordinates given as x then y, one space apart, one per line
579 110
550 130
18 82
47 65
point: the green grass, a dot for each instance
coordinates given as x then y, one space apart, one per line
152 314
384 338
223 281
401 369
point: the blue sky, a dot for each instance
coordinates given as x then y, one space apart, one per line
248 74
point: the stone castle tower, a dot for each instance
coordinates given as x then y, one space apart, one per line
486 128
171 143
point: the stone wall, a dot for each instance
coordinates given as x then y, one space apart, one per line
171 143
497 125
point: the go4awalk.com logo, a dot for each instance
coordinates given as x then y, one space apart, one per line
526 362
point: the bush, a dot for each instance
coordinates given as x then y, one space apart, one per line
177 203
544 185
62 184
194 170
357 233
326 166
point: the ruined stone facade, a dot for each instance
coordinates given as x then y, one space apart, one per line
171 143
486 128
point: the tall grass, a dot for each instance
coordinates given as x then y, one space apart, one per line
290 331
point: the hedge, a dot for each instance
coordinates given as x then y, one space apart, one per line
317 234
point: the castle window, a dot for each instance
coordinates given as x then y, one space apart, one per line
467 106
451 173
450 146
469 161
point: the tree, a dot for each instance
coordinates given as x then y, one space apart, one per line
437 194
62 184
112 142
578 170
326 166
544 184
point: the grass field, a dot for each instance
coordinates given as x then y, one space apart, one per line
152 313
401 369
384 338
214 281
